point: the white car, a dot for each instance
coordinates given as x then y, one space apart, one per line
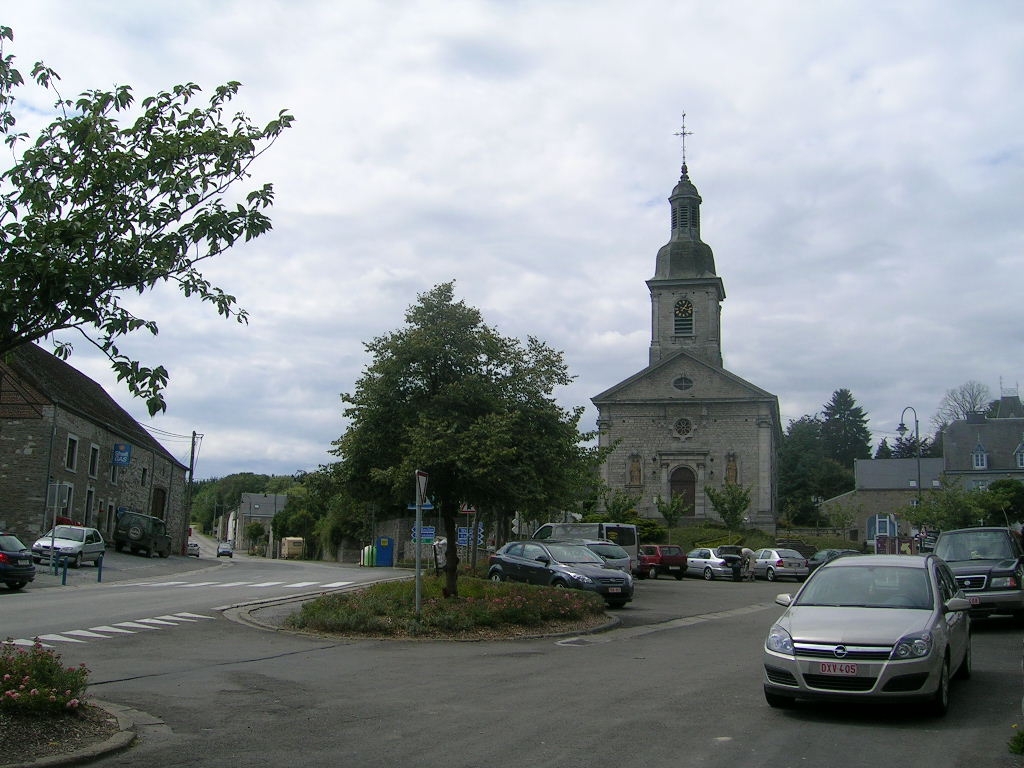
71 542
193 549
870 628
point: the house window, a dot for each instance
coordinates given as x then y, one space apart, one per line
979 458
113 474
145 471
1018 456
71 456
94 460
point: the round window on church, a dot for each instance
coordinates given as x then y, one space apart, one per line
683 426
683 383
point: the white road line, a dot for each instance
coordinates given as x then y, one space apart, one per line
234 584
60 639
85 633
186 614
337 584
200 584
157 621
116 630
267 584
303 584
133 625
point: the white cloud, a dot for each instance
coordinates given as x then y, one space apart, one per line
860 184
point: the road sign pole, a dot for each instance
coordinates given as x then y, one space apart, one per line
421 492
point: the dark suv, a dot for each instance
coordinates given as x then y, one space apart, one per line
989 567
142 533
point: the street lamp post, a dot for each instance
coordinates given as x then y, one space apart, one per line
902 429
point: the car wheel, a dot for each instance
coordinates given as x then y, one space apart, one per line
496 576
963 672
709 575
679 576
16 584
560 585
939 704
778 701
77 562
770 574
145 552
135 533
165 553
652 572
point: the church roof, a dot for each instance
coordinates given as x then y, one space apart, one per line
744 389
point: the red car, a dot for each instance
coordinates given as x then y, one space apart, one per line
661 559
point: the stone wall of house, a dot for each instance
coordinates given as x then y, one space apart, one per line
34 452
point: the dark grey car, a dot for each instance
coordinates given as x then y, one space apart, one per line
560 564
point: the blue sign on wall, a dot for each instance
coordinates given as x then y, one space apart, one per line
122 455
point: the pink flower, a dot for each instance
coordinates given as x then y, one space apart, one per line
34 692
73 704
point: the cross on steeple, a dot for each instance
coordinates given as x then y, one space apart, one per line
682 133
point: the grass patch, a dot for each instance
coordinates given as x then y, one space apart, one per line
482 607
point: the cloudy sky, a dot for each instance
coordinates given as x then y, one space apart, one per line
861 166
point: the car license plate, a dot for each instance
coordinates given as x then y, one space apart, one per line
837 668
614 589
974 600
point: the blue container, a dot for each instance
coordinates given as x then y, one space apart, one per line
385 551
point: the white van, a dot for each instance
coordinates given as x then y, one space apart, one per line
623 534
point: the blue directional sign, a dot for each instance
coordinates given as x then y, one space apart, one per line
427 534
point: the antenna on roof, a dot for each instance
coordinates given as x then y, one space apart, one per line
682 133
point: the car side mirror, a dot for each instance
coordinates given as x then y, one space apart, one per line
784 599
956 604
544 559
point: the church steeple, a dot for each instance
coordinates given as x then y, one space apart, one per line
685 291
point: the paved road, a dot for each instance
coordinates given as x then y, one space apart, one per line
677 684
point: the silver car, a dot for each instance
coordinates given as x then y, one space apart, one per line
71 542
711 563
775 564
613 555
869 628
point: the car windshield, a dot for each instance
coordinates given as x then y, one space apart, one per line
573 553
882 586
671 550
68 532
974 545
614 551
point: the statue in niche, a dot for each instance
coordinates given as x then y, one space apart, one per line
731 473
635 472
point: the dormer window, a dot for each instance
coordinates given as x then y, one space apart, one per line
1018 455
979 458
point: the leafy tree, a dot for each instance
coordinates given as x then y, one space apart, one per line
948 506
1003 502
957 403
801 456
255 533
844 429
95 209
448 395
731 503
884 450
619 505
907 445
672 510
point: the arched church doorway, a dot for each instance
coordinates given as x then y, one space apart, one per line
683 482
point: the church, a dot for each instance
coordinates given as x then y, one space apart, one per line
684 423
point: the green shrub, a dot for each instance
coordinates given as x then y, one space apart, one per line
388 609
35 681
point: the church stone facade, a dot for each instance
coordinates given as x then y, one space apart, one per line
684 423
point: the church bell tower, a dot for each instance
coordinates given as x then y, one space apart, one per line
686 294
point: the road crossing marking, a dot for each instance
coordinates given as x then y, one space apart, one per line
226 584
105 631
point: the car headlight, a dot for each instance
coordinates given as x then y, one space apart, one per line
912 646
67 550
779 640
579 577
1004 582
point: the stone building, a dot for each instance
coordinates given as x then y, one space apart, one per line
684 422
68 450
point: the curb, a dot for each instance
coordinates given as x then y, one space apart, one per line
124 738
